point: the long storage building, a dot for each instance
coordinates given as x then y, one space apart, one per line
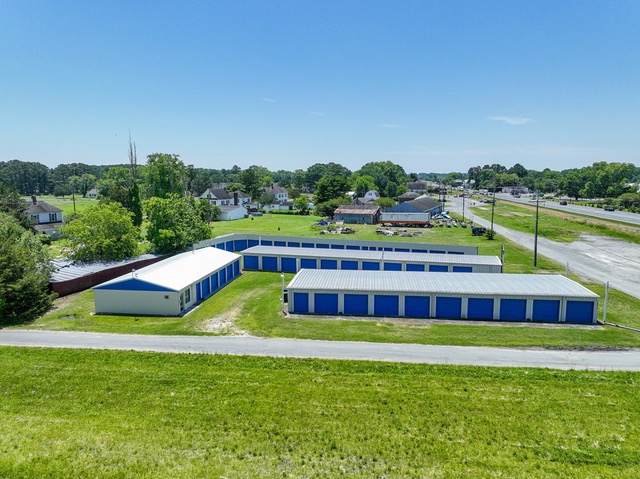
291 260
483 296
236 242
169 287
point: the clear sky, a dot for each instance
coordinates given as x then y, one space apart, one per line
430 85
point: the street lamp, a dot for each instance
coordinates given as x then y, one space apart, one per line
535 231
493 208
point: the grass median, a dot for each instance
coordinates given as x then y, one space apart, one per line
101 414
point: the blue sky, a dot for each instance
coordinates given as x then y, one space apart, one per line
430 85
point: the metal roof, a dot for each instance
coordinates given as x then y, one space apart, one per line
358 209
69 269
374 255
181 270
478 284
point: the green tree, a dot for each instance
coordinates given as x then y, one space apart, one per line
327 208
206 211
362 184
301 204
251 180
135 205
389 178
384 203
12 204
104 232
174 223
25 267
330 187
165 174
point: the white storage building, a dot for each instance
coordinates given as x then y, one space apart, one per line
291 260
486 296
169 287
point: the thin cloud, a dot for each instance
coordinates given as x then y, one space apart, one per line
390 125
269 100
511 120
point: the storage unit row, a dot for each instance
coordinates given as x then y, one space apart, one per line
291 260
239 242
482 296
169 287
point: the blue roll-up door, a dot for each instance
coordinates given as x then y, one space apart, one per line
337 246
480 308
250 262
348 264
206 288
308 263
357 304
279 243
229 272
328 264
463 269
370 266
253 243
415 267
222 275
393 266
579 312
198 292
417 306
419 250
325 303
269 263
301 302
385 305
438 268
293 244
435 251
546 310
236 268
267 243
240 245
308 245
215 283
447 307
289 265
513 309
403 250
322 245
220 246
455 252
228 246
350 246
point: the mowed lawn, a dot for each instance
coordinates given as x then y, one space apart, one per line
100 414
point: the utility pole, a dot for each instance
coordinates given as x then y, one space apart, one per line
493 208
463 195
535 232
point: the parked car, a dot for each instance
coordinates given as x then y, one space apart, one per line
478 231
609 208
563 203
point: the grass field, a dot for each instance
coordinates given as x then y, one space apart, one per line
554 225
66 203
100 414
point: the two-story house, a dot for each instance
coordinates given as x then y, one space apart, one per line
46 218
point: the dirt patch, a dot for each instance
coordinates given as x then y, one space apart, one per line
513 213
224 324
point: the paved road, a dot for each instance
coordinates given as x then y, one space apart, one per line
298 348
631 218
598 258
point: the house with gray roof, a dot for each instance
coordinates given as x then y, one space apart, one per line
47 218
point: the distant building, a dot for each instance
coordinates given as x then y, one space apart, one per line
422 186
92 193
422 204
232 212
221 197
369 197
408 196
358 214
47 218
